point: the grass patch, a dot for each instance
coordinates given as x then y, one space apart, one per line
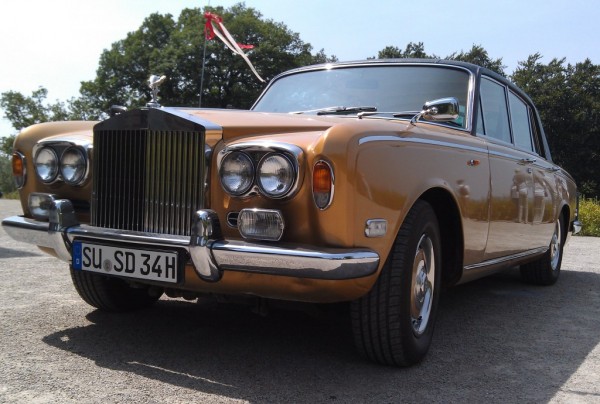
589 215
11 195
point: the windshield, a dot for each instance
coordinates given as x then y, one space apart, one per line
395 89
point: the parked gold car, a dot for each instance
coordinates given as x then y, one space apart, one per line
375 182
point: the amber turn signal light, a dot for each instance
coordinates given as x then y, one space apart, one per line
322 184
18 169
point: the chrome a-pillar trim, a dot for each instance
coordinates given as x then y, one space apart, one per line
205 231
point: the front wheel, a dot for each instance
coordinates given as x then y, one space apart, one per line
393 324
546 270
111 294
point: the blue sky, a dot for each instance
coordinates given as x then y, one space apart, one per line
57 43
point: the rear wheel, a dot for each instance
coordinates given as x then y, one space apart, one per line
546 270
393 324
111 294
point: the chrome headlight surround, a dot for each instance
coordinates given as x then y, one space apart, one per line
236 173
275 175
71 157
73 165
46 164
258 150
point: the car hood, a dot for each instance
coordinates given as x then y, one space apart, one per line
236 123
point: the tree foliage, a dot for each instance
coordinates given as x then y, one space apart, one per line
479 56
476 55
23 111
568 99
175 48
412 50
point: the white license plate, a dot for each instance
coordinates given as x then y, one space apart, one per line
159 266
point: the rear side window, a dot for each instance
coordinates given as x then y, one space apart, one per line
519 117
494 110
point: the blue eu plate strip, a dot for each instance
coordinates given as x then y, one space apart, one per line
77 255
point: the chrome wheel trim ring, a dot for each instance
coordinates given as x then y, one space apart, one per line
423 284
555 247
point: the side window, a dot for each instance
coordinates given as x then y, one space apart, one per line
519 117
479 124
495 114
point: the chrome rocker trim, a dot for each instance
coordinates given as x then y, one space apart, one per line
209 252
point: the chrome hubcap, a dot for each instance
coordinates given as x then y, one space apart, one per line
423 283
555 247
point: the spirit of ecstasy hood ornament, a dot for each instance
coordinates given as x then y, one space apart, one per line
154 82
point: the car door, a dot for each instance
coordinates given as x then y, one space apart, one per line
512 160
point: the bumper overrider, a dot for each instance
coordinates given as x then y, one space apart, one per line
208 251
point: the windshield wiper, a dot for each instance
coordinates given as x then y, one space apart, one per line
339 110
402 114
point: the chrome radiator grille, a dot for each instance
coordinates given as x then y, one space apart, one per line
146 180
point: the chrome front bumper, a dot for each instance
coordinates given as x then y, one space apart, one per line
209 252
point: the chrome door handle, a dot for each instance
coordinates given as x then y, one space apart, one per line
527 161
553 169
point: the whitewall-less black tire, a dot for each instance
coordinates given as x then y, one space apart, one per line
393 324
110 293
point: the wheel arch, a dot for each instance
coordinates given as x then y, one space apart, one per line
451 232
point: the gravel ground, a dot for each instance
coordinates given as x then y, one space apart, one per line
497 340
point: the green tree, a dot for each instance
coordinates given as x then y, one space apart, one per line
23 111
163 45
412 50
568 99
6 145
479 56
476 55
7 184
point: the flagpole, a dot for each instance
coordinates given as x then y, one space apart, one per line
203 65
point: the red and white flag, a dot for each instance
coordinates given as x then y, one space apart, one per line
214 27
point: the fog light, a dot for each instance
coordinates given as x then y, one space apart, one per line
39 205
261 224
375 227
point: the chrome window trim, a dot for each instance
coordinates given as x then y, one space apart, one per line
506 104
533 142
512 144
294 153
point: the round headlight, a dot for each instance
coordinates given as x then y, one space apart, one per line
46 164
275 175
237 173
73 166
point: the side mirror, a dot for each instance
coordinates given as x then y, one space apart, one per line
440 110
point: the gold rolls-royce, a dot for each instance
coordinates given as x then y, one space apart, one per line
376 183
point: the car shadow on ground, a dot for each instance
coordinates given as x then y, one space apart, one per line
496 339
17 253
